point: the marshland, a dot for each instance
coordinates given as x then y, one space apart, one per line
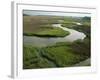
54 41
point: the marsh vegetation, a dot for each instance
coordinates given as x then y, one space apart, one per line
55 41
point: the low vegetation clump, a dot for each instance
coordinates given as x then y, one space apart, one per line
62 56
48 32
32 58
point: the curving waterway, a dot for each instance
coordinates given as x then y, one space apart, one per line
42 42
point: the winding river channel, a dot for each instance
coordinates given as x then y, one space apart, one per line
42 42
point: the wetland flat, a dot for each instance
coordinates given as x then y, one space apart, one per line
55 40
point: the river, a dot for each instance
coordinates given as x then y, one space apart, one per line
42 42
